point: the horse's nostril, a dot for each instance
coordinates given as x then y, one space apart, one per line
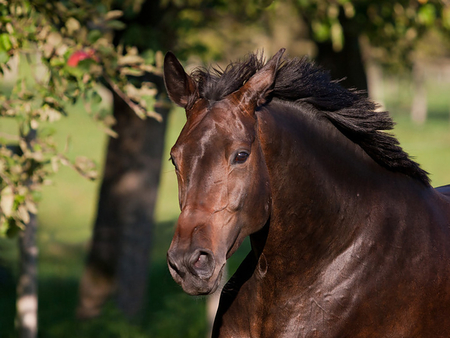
202 262
173 265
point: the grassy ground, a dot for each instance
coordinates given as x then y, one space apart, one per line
68 208
428 144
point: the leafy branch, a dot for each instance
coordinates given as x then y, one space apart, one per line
62 52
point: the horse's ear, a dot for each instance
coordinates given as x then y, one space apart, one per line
258 87
181 88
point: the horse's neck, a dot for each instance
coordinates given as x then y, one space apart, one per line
320 183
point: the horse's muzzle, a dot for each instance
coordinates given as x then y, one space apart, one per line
193 270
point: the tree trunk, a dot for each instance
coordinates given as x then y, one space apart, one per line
375 83
419 108
346 64
27 300
27 286
119 256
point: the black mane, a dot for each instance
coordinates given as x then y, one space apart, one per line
299 80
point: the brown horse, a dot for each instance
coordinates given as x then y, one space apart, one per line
348 237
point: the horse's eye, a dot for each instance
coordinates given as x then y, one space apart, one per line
241 157
173 162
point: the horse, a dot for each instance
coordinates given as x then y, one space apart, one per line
348 237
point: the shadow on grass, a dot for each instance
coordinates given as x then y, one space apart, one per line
169 312
7 302
441 114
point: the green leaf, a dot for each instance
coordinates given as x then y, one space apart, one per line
116 24
85 65
96 98
426 15
149 56
54 39
111 15
72 25
4 57
94 35
74 71
7 201
3 227
321 31
14 228
337 36
131 71
5 42
130 60
57 62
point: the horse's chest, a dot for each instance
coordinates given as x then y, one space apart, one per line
380 312
267 311
281 320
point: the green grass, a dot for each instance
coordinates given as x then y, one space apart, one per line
428 144
68 209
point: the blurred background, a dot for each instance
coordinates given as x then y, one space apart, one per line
88 197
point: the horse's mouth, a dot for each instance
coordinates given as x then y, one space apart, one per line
237 241
196 286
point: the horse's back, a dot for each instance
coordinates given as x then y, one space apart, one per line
444 190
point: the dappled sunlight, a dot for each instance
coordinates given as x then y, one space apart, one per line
131 43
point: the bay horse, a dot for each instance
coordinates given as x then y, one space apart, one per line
348 238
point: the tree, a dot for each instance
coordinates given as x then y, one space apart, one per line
67 62
117 262
392 29
118 259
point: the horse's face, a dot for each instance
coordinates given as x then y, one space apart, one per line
223 181
223 192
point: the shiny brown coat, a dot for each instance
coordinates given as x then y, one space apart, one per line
348 237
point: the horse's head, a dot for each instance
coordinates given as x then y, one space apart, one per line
223 182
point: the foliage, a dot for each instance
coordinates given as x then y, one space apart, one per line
64 50
210 28
393 27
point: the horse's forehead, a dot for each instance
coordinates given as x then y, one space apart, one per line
222 120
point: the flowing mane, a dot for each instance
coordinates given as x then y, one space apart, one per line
276 151
300 81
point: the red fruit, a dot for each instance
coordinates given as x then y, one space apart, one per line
81 55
